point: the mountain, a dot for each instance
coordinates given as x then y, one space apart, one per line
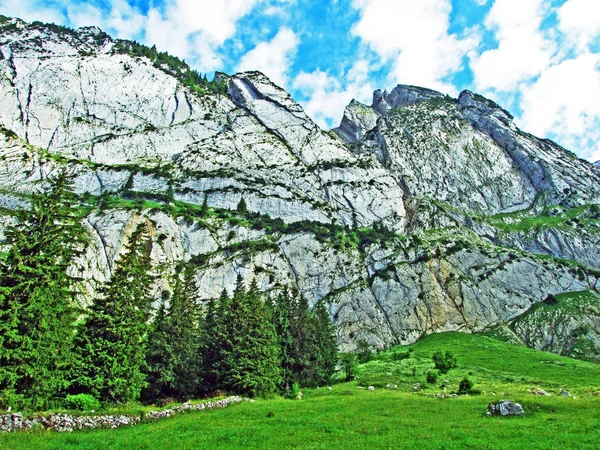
418 214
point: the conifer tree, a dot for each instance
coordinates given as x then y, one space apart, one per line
37 296
325 344
241 207
303 348
112 339
282 318
215 343
253 364
174 360
159 365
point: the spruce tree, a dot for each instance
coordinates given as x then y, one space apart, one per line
174 360
325 345
241 207
158 356
111 341
303 354
37 296
253 364
213 343
282 319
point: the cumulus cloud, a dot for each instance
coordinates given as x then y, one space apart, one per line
273 57
565 103
415 36
195 29
522 52
127 21
31 11
580 21
328 96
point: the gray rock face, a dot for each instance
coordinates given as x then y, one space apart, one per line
401 96
468 153
357 121
396 232
359 118
568 325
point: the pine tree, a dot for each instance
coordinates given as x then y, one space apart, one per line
184 331
204 208
241 207
214 345
158 356
325 345
37 296
282 319
112 340
253 365
303 348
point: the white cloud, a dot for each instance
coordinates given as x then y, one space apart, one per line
195 30
83 15
564 103
580 21
125 20
30 11
415 36
273 58
522 52
327 96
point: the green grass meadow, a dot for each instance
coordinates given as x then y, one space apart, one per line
351 417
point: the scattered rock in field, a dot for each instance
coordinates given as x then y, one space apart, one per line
329 388
371 388
505 408
565 394
538 391
441 395
391 386
416 387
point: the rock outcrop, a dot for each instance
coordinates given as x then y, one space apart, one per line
422 214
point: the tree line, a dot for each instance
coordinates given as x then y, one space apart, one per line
122 347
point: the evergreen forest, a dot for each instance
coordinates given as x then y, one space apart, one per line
127 346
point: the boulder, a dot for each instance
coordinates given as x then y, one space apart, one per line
505 408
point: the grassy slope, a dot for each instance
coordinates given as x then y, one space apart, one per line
352 418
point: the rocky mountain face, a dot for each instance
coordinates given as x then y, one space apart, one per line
420 213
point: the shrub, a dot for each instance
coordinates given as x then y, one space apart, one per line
444 361
82 402
363 352
466 387
349 363
399 356
432 376
293 392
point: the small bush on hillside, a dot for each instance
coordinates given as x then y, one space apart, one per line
82 402
363 352
444 361
293 392
466 387
432 376
399 356
349 363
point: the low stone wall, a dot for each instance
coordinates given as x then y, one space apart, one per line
68 422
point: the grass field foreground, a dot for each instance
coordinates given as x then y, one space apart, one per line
351 417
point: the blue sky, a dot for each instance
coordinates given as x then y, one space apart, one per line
540 59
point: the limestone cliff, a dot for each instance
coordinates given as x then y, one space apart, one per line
422 214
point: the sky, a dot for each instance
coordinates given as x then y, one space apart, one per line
539 59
